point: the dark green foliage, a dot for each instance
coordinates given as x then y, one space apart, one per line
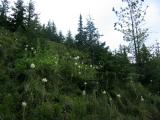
4 9
31 15
46 76
81 36
18 15
69 39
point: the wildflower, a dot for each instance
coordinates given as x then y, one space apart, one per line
0 45
56 62
35 52
85 83
104 92
32 66
25 49
142 99
151 80
44 80
84 92
118 95
26 45
79 66
110 99
79 73
24 104
32 48
91 66
131 81
76 58
76 63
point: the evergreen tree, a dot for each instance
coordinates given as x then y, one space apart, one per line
51 31
93 36
4 9
31 15
157 49
92 32
18 15
61 37
144 59
69 39
81 36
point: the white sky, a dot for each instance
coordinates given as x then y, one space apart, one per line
65 14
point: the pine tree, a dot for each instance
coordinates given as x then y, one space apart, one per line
61 37
93 36
81 36
51 32
18 15
144 60
69 39
31 15
92 32
4 9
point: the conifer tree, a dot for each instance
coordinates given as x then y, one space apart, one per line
69 39
18 15
92 32
4 9
93 36
61 37
81 36
31 15
51 31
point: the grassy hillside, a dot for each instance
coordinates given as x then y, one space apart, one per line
60 83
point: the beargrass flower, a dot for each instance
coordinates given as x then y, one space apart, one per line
76 58
32 66
85 83
104 92
118 95
25 49
84 92
32 48
56 62
142 99
24 104
79 73
76 63
35 52
44 80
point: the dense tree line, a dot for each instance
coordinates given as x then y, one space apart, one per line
23 18
45 75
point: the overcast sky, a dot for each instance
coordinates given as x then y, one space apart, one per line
65 14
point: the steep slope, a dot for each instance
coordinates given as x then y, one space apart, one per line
58 83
